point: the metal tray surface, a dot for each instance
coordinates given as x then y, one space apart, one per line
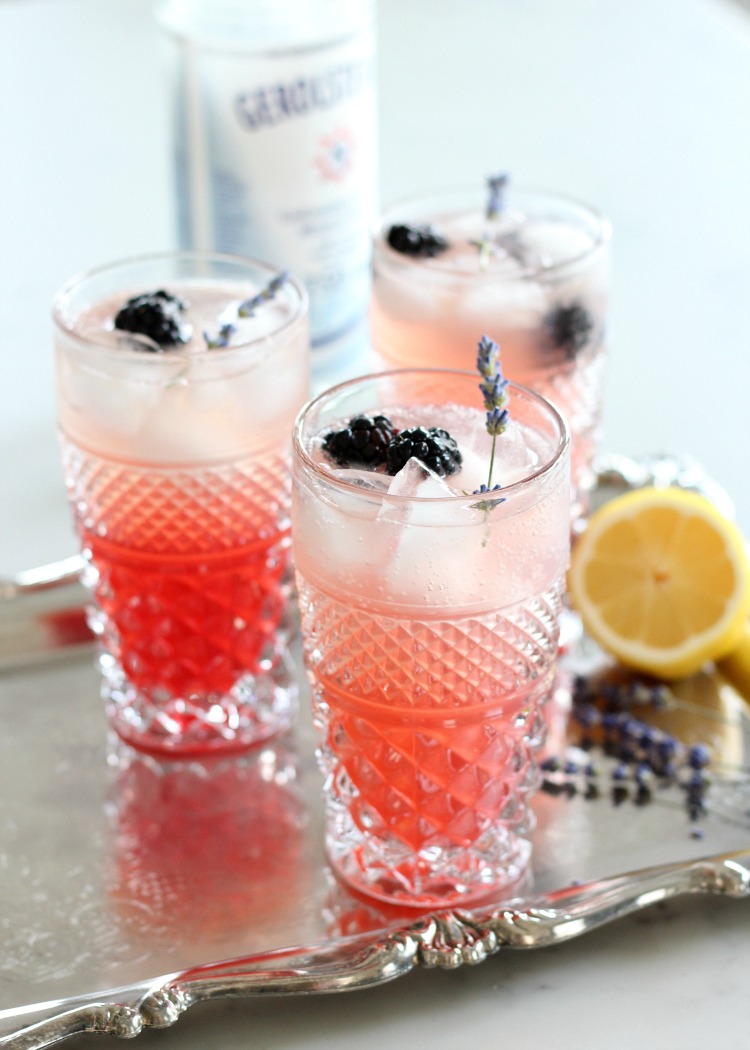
132 888
119 869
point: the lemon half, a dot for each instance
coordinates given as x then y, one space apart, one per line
661 580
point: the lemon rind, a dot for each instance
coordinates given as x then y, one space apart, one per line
690 655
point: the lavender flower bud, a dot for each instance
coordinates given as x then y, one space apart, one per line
494 385
497 421
222 339
488 357
497 185
494 390
249 306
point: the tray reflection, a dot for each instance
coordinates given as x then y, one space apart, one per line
198 850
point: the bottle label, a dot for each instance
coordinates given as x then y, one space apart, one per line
276 158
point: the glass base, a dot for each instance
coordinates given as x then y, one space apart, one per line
257 708
389 872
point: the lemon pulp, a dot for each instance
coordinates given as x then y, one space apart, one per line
661 580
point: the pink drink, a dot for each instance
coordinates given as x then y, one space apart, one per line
539 287
430 635
176 462
199 847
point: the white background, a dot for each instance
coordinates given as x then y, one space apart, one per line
638 106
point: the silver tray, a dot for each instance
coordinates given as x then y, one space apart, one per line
132 889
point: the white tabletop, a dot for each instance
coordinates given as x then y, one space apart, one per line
638 106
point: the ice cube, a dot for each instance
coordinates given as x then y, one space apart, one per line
412 477
517 453
337 536
423 298
364 479
475 465
496 302
105 408
257 392
364 503
416 482
422 536
555 242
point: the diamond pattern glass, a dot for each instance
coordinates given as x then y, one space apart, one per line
428 732
189 572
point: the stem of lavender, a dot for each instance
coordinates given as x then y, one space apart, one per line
492 462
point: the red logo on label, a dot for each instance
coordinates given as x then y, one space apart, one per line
336 157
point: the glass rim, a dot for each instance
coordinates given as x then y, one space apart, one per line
319 471
600 239
91 342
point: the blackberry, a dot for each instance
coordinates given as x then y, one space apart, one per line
421 241
364 440
569 328
157 316
434 447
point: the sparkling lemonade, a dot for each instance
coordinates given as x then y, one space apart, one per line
429 620
176 462
534 277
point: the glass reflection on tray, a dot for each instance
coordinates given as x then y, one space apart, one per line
200 847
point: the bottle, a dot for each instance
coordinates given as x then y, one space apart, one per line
275 148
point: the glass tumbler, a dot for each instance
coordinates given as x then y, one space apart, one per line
534 277
430 632
176 460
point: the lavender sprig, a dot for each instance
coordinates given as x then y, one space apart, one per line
487 244
497 186
222 339
487 504
494 388
246 308
643 752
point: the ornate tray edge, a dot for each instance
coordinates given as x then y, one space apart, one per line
444 939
